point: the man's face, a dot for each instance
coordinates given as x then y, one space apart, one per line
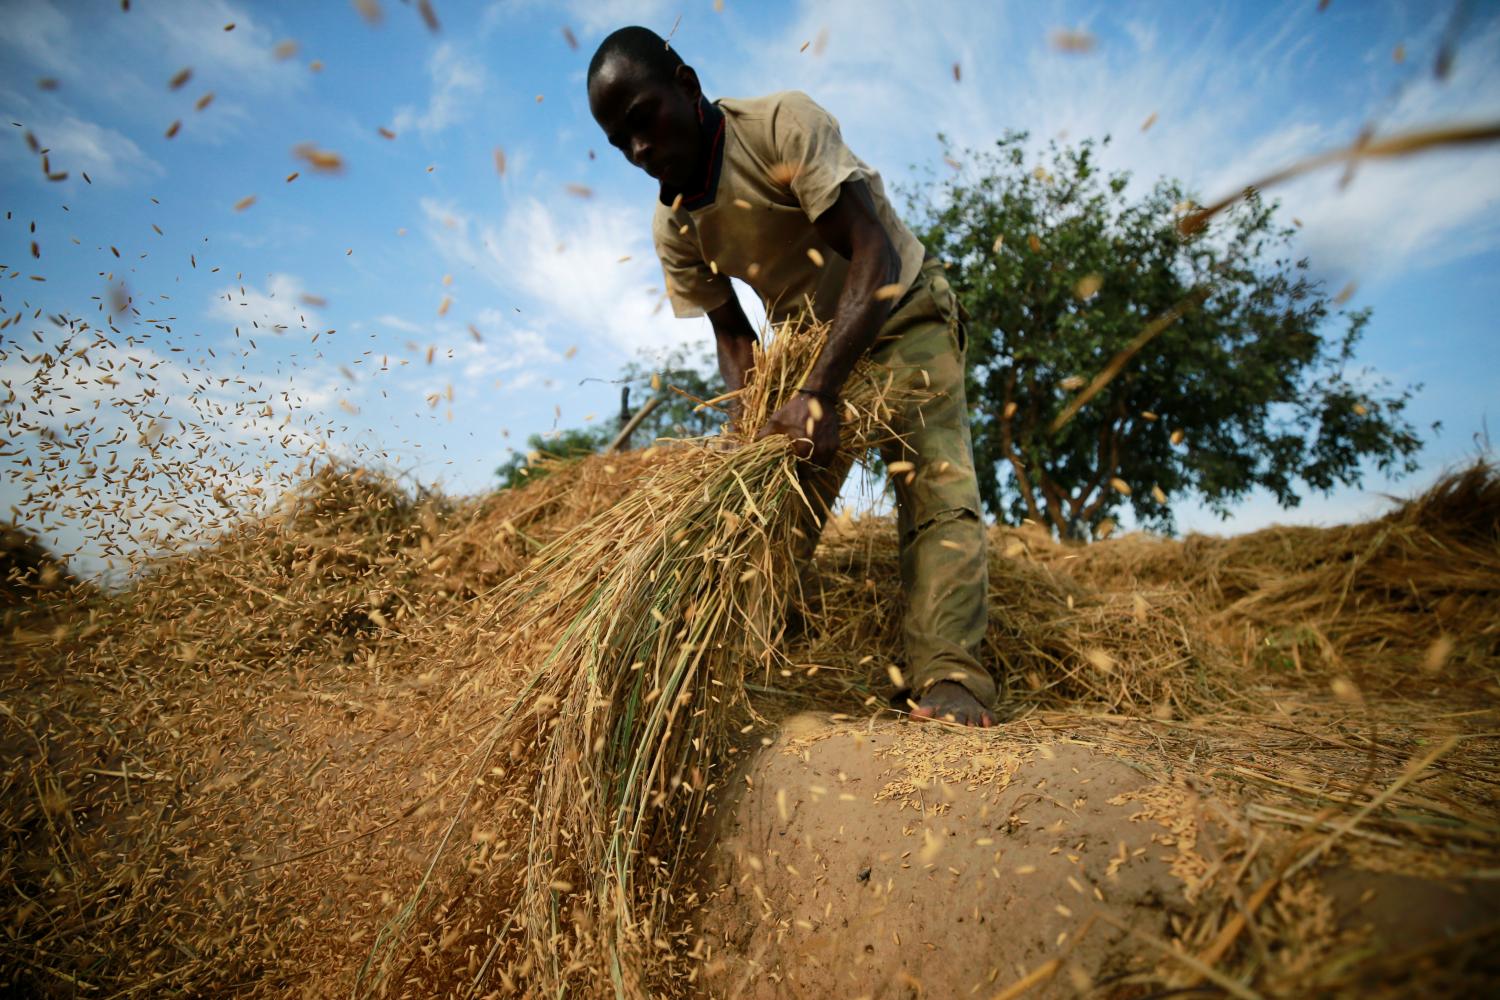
653 122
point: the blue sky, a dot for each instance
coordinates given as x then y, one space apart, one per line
420 237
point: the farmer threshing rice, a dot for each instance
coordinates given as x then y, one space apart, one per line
765 190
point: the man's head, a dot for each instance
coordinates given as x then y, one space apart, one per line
646 100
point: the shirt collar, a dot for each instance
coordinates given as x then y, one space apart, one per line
711 134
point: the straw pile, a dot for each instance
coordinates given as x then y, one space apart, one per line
1379 602
169 745
386 740
639 628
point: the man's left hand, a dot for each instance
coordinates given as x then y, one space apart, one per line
812 424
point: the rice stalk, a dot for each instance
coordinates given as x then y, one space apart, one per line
642 625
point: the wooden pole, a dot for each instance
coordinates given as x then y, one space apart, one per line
634 422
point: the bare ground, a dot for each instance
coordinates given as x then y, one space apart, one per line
866 859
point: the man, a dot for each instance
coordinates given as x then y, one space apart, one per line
765 190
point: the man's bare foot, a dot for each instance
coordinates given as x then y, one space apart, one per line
950 701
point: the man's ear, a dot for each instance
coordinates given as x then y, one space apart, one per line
685 78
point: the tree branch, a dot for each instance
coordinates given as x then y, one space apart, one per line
1109 436
1008 449
1050 490
1054 497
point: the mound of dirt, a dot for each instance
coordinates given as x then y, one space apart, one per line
881 860
867 859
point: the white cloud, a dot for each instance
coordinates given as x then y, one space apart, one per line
125 57
281 307
271 232
505 351
457 83
404 325
1226 105
593 16
191 33
588 17
173 34
1396 217
38 31
78 147
568 263
122 60
1418 211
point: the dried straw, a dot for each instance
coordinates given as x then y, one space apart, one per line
236 735
641 625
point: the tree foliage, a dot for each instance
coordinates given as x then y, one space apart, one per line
1060 268
572 442
691 372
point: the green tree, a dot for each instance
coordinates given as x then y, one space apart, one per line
693 371
574 442
1248 382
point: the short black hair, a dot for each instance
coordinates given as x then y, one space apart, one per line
641 46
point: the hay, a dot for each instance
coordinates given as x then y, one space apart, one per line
638 629
230 775
1387 602
171 739
1052 641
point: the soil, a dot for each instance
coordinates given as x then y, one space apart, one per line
888 859
894 860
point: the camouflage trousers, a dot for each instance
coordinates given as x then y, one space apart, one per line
944 570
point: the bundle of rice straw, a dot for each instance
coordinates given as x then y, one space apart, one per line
640 626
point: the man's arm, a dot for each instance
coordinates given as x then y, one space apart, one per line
851 227
735 339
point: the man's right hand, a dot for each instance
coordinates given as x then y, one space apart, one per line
812 425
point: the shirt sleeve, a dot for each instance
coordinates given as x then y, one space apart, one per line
811 153
692 286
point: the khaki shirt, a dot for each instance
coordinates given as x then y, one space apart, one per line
776 164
